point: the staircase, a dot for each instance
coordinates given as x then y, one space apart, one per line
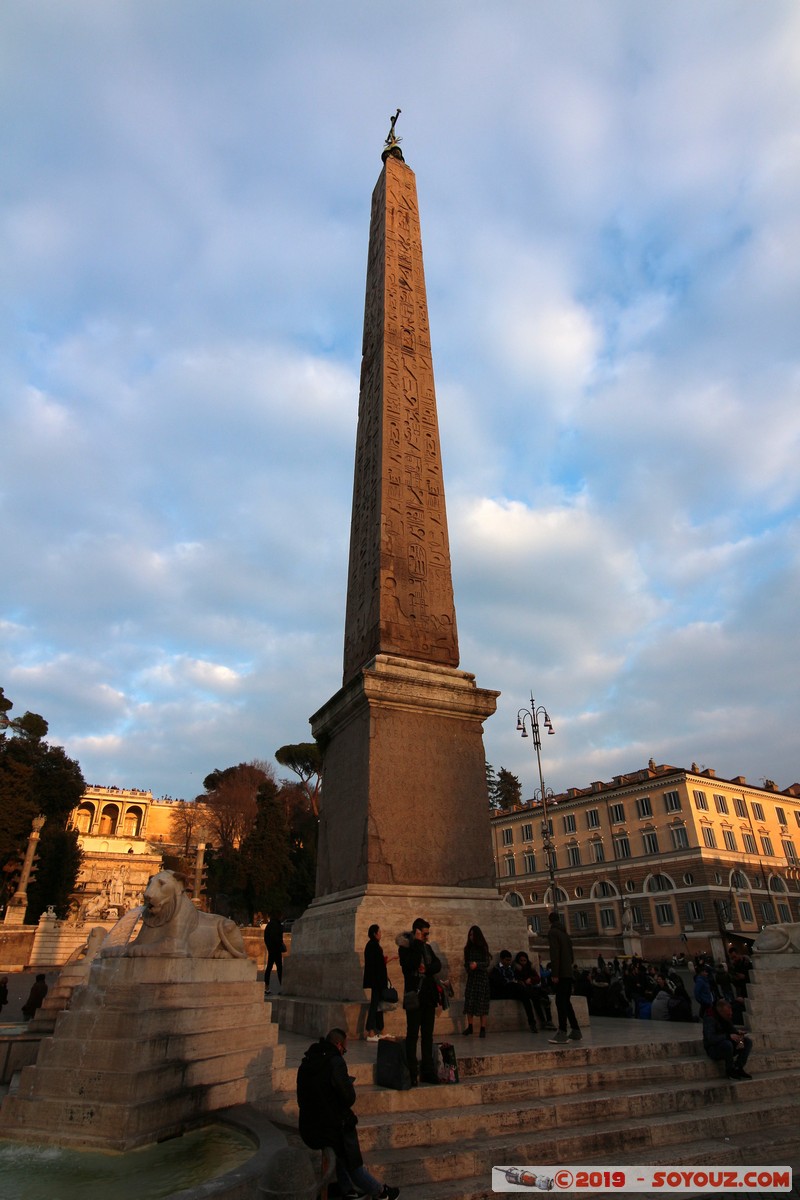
650 1102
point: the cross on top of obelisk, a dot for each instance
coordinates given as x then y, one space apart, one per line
392 143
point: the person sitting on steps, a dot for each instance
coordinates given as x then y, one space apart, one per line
503 985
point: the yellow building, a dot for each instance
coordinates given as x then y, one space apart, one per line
664 859
121 819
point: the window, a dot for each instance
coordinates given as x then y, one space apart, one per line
636 913
700 801
622 847
738 879
573 856
617 813
688 879
758 811
534 897
781 815
534 924
604 888
664 914
749 843
608 918
511 866
797 816
643 807
650 842
725 910
680 838
660 883
740 804
579 893
694 910
789 850
708 837
529 859
527 833
569 823
784 912
776 884
581 920
672 802
630 885
746 910
721 804
514 899
593 818
598 853
766 846
767 912
729 837
508 837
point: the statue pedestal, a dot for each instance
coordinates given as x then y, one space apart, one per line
773 997
148 1048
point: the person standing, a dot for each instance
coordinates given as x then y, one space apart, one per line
419 965
376 977
3 991
276 948
35 997
477 998
325 1097
562 960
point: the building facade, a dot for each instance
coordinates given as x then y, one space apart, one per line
664 859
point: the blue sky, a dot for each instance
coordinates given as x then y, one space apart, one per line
609 197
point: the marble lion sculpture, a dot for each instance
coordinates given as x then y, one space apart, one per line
779 939
173 928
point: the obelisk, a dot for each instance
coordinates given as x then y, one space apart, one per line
404 817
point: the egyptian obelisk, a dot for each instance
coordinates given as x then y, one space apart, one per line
404 818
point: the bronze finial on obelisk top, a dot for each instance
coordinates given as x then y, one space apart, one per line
392 143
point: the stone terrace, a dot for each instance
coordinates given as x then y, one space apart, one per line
630 1092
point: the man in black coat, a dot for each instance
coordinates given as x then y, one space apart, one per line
325 1095
276 948
420 966
724 1040
562 961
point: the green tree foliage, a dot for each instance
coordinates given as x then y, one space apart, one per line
305 760
35 777
507 791
57 870
230 801
491 785
266 854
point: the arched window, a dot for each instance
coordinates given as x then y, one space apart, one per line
514 899
603 888
108 819
739 879
560 893
132 822
84 817
659 883
776 884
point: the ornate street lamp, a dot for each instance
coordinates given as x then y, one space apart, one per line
531 716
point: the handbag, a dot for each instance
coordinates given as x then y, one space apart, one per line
389 995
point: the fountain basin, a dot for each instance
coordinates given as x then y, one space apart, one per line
223 1160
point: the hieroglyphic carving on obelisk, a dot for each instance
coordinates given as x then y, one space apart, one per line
400 589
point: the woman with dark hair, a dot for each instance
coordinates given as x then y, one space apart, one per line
477 960
376 978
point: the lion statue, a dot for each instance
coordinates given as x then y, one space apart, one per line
778 939
173 928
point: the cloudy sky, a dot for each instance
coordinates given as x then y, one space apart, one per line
610 202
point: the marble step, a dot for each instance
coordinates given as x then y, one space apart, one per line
646 1138
769 1146
436 1126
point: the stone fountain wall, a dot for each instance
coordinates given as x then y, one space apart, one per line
148 1048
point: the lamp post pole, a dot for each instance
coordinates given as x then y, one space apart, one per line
530 716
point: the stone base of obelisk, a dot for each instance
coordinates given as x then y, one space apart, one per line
322 976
